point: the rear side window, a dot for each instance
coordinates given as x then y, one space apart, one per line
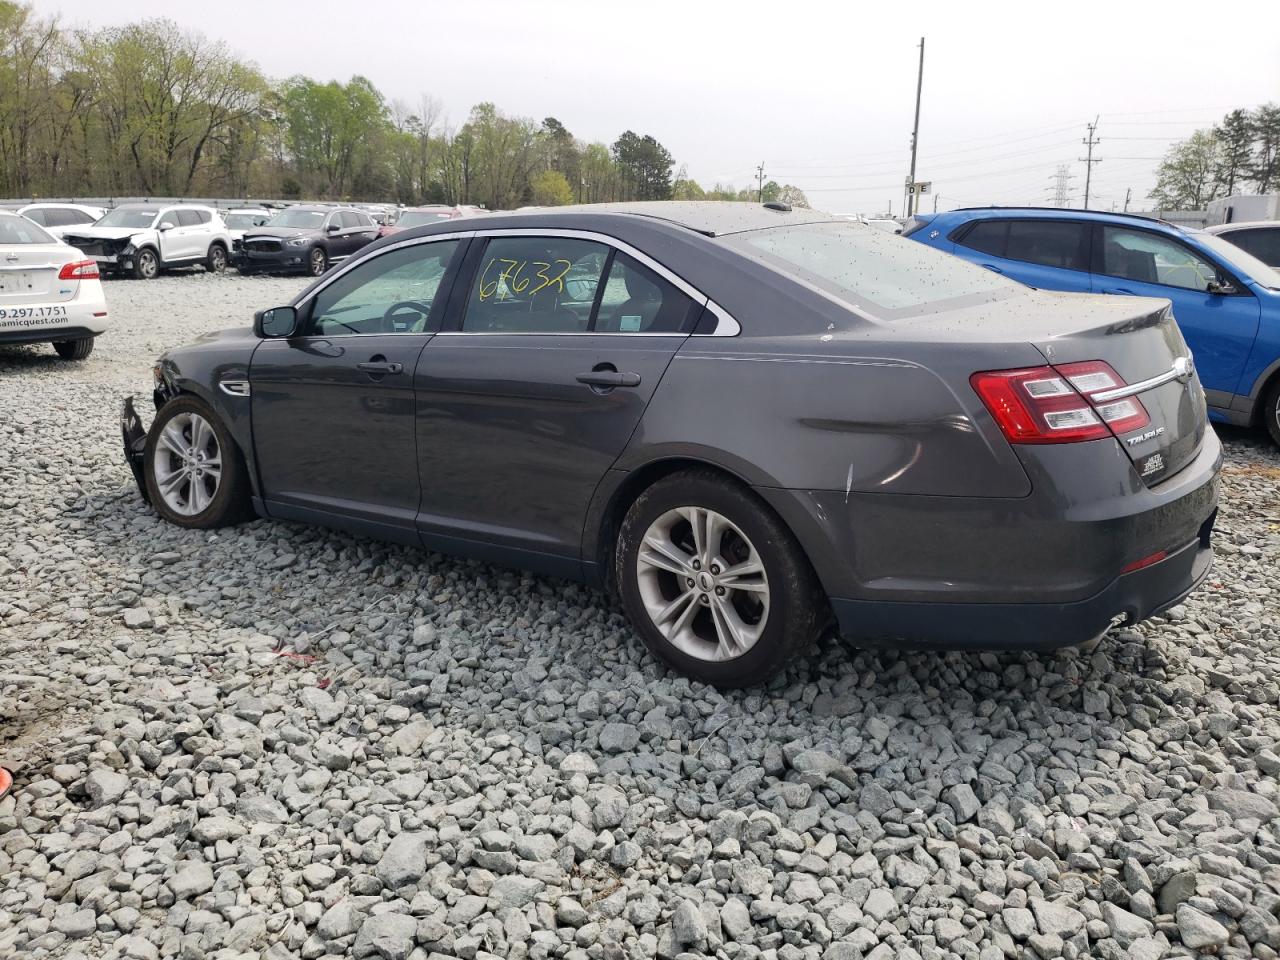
637 300
39 216
871 269
535 285
1049 243
987 236
187 218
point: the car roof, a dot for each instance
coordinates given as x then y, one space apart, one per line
712 218
1243 225
1064 213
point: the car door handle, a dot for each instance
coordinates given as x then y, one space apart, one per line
993 268
609 378
380 366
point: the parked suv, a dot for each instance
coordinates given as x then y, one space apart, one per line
1226 301
1259 237
141 239
305 238
59 218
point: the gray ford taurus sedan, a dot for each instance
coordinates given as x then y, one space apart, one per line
746 420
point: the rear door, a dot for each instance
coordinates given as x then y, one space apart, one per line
1049 254
524 406
1220 328
334 407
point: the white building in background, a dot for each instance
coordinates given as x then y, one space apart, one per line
1238 208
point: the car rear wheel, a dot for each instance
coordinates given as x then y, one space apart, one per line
1271 411
317 262
146 265
216 261
194 472
74 349
716 585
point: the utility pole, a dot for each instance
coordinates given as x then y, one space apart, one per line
915 137
1127 194
760 183
1090 141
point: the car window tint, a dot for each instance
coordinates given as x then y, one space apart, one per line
1263 244
188 218
350 220
987 236
1149 258
203 216
390 293
1049 243
39 216
535 285
67 218
637 300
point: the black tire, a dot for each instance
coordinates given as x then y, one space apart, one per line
230 503
317 261
146 264
796 606
1271 411
74 349
216 259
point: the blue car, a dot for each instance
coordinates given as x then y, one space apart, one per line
1226 301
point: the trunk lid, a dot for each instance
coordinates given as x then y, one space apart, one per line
1140 340
29 273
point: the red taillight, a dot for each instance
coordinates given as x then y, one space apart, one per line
79 270
1056 405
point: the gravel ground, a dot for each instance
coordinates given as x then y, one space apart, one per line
447 758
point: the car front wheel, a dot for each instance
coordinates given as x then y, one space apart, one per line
317 262
717 587
146 265
194 472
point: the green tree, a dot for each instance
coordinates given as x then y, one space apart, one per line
794 196
645 167
562 152
1235 150
1264 168
334 134
549 188
27 49
1186 176
600 178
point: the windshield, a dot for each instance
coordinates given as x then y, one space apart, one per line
307 219
1242 262
416 218
873 269
21 230
125 217
240 221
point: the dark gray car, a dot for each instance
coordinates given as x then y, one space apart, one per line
747 421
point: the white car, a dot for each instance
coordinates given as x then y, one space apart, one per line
141 239
49 292
242 219
58 218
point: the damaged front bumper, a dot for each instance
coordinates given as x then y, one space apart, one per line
135 445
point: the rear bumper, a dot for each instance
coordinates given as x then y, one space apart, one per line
45 322
1031 626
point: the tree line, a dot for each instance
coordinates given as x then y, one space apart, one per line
1240 154
150 109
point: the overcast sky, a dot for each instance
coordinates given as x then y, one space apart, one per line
821 93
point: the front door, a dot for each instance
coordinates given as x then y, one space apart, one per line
525 407
334 407
1219 327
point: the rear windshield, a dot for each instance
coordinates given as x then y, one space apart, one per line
21 230
124 217
242 221
886 275
416 218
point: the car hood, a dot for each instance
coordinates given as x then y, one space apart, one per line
280 233
106 233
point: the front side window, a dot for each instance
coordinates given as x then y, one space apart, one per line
22 230
391 293
1149 258
535 285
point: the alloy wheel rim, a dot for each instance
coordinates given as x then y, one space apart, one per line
703 584
187 464
148 264
219 259
317 262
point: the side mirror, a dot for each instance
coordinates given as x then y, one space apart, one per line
1223 287
165 225
275 323
332 228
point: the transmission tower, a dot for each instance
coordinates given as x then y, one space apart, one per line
1062 185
